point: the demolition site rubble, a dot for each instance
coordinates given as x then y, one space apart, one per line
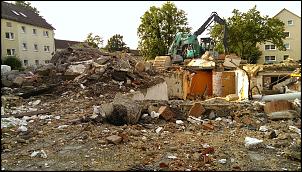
94 110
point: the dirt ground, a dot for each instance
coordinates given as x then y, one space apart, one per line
82 145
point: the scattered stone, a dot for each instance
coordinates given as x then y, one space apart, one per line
196 156
272 134
212 115
140 66
18 81
251 143
114 139
263 128
22 128
295 129
179 122
158 129
154 114
207 126
222 161
42 153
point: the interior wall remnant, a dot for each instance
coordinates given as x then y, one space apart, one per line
201 84
224 83
241 84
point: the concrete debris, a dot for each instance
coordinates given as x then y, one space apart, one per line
179 122
295 129
251 143
154 114
194 120
158 129
222 161
277 106
263 128
289 114
42 154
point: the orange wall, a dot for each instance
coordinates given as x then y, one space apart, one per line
200 81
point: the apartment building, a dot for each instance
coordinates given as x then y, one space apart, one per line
25 35
270 53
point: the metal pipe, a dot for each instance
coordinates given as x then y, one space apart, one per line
287 96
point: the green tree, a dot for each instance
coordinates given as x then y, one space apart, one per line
94 41
116 43
12 61
158 28
246 30
27 5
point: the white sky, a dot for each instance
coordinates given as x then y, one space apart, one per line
74 20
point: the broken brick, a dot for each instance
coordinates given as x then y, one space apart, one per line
277 106
208 150
166 113
207 126
196 110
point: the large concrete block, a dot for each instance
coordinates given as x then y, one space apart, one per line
278 105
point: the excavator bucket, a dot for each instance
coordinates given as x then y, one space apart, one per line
162 62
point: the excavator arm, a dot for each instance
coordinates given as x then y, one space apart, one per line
214 17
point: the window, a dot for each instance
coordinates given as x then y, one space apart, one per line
290 22
10 52
270 47
35 31
23 29
287 46
25 62
15 12
9 35
45 33
23 14
46 48
35 47
24 46
270 58
8 24
285 57
286 34
37 62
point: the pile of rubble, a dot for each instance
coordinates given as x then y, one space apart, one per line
86 69
87 102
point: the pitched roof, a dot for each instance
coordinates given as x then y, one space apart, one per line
284 9
62 44
10 11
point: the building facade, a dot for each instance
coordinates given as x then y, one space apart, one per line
270 53
25 35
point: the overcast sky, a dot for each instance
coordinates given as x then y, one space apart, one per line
74 20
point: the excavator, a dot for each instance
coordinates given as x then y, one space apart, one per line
186 46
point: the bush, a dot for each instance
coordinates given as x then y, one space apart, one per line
13 62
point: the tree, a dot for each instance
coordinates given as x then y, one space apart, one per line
27 5
116 43
12 61
246 30
158 28
94 41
